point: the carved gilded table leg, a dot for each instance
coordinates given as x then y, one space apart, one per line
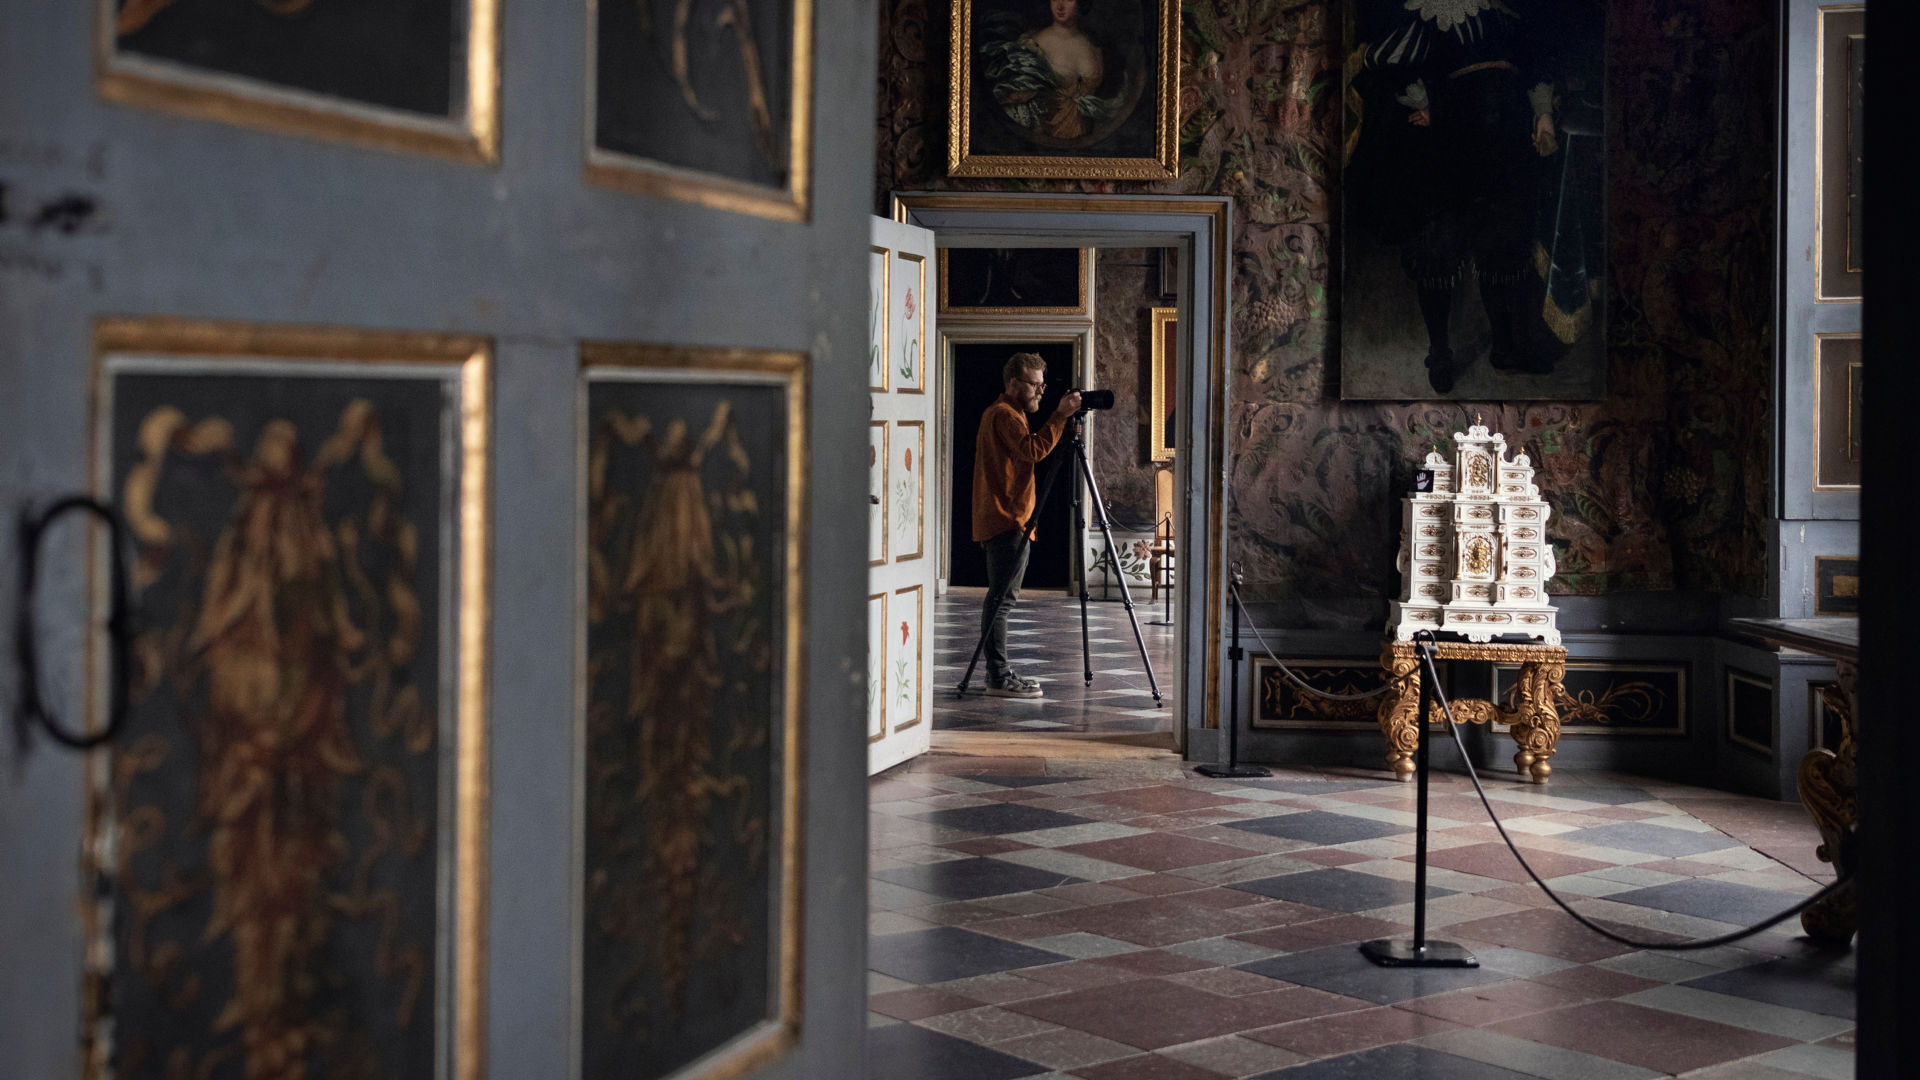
1399 714
1826 785
1534 718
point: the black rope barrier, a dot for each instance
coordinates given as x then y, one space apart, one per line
1287 671
1433 679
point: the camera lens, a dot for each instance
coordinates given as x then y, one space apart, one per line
1096 399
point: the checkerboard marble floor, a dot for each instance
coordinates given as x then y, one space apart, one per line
1043 642
1130 920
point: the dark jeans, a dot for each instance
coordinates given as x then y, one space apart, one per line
1006 565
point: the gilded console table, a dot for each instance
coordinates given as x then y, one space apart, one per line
1826 777
1532 715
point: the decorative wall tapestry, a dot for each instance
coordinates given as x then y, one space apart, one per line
689 886
704 100
1064 88
1473 232
416 75
291 823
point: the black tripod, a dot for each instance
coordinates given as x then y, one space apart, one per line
1077 429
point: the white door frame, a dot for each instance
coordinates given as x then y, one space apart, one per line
1201 226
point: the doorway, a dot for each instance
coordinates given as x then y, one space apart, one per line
1199 228
974 384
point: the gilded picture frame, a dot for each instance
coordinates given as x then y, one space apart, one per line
1058 97
1164 391
1015 281
716 111
167 502
694 465
296 69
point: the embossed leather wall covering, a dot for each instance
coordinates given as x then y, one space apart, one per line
1122 300
1663 485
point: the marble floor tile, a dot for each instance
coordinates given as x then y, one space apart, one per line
1401 1062
1336 889
1650 1038
945 953
908 1052
972 878
1126 947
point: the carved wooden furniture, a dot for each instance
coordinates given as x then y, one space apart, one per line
1163 552
1826 779
1530 711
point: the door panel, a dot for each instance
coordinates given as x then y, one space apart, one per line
902 526
325 356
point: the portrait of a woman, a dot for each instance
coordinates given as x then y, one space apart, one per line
1055 73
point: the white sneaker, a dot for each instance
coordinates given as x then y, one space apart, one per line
1014 686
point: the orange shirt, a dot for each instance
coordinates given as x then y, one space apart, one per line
1004 455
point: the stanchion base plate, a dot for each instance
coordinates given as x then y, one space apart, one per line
1401 953
1235 772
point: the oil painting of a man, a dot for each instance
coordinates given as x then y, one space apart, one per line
1472 221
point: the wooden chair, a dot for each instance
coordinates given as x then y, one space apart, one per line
1160 557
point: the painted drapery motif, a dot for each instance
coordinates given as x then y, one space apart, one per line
685 502
274 850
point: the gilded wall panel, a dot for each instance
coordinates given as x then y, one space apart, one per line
288 833
689 918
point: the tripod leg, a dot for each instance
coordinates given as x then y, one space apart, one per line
1086 646
1126 594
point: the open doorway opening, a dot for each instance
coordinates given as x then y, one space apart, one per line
973 370
1197 227
1093 317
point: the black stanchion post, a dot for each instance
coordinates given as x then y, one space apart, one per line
1233 769
1389 952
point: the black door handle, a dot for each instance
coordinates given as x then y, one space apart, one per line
32 531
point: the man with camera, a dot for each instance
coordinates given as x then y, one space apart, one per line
1003 503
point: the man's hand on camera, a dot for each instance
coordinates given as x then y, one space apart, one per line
1069 404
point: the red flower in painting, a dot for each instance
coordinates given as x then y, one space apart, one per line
909 305
909 459
903 632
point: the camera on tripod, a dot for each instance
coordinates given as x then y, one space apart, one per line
1095 399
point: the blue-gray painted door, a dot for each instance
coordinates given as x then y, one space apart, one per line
484 451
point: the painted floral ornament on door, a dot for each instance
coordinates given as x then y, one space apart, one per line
907 342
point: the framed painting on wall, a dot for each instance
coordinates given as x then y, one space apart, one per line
1015 281
708 101
1474 245
428 81
688 869
310 508
1064 89
1165 376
